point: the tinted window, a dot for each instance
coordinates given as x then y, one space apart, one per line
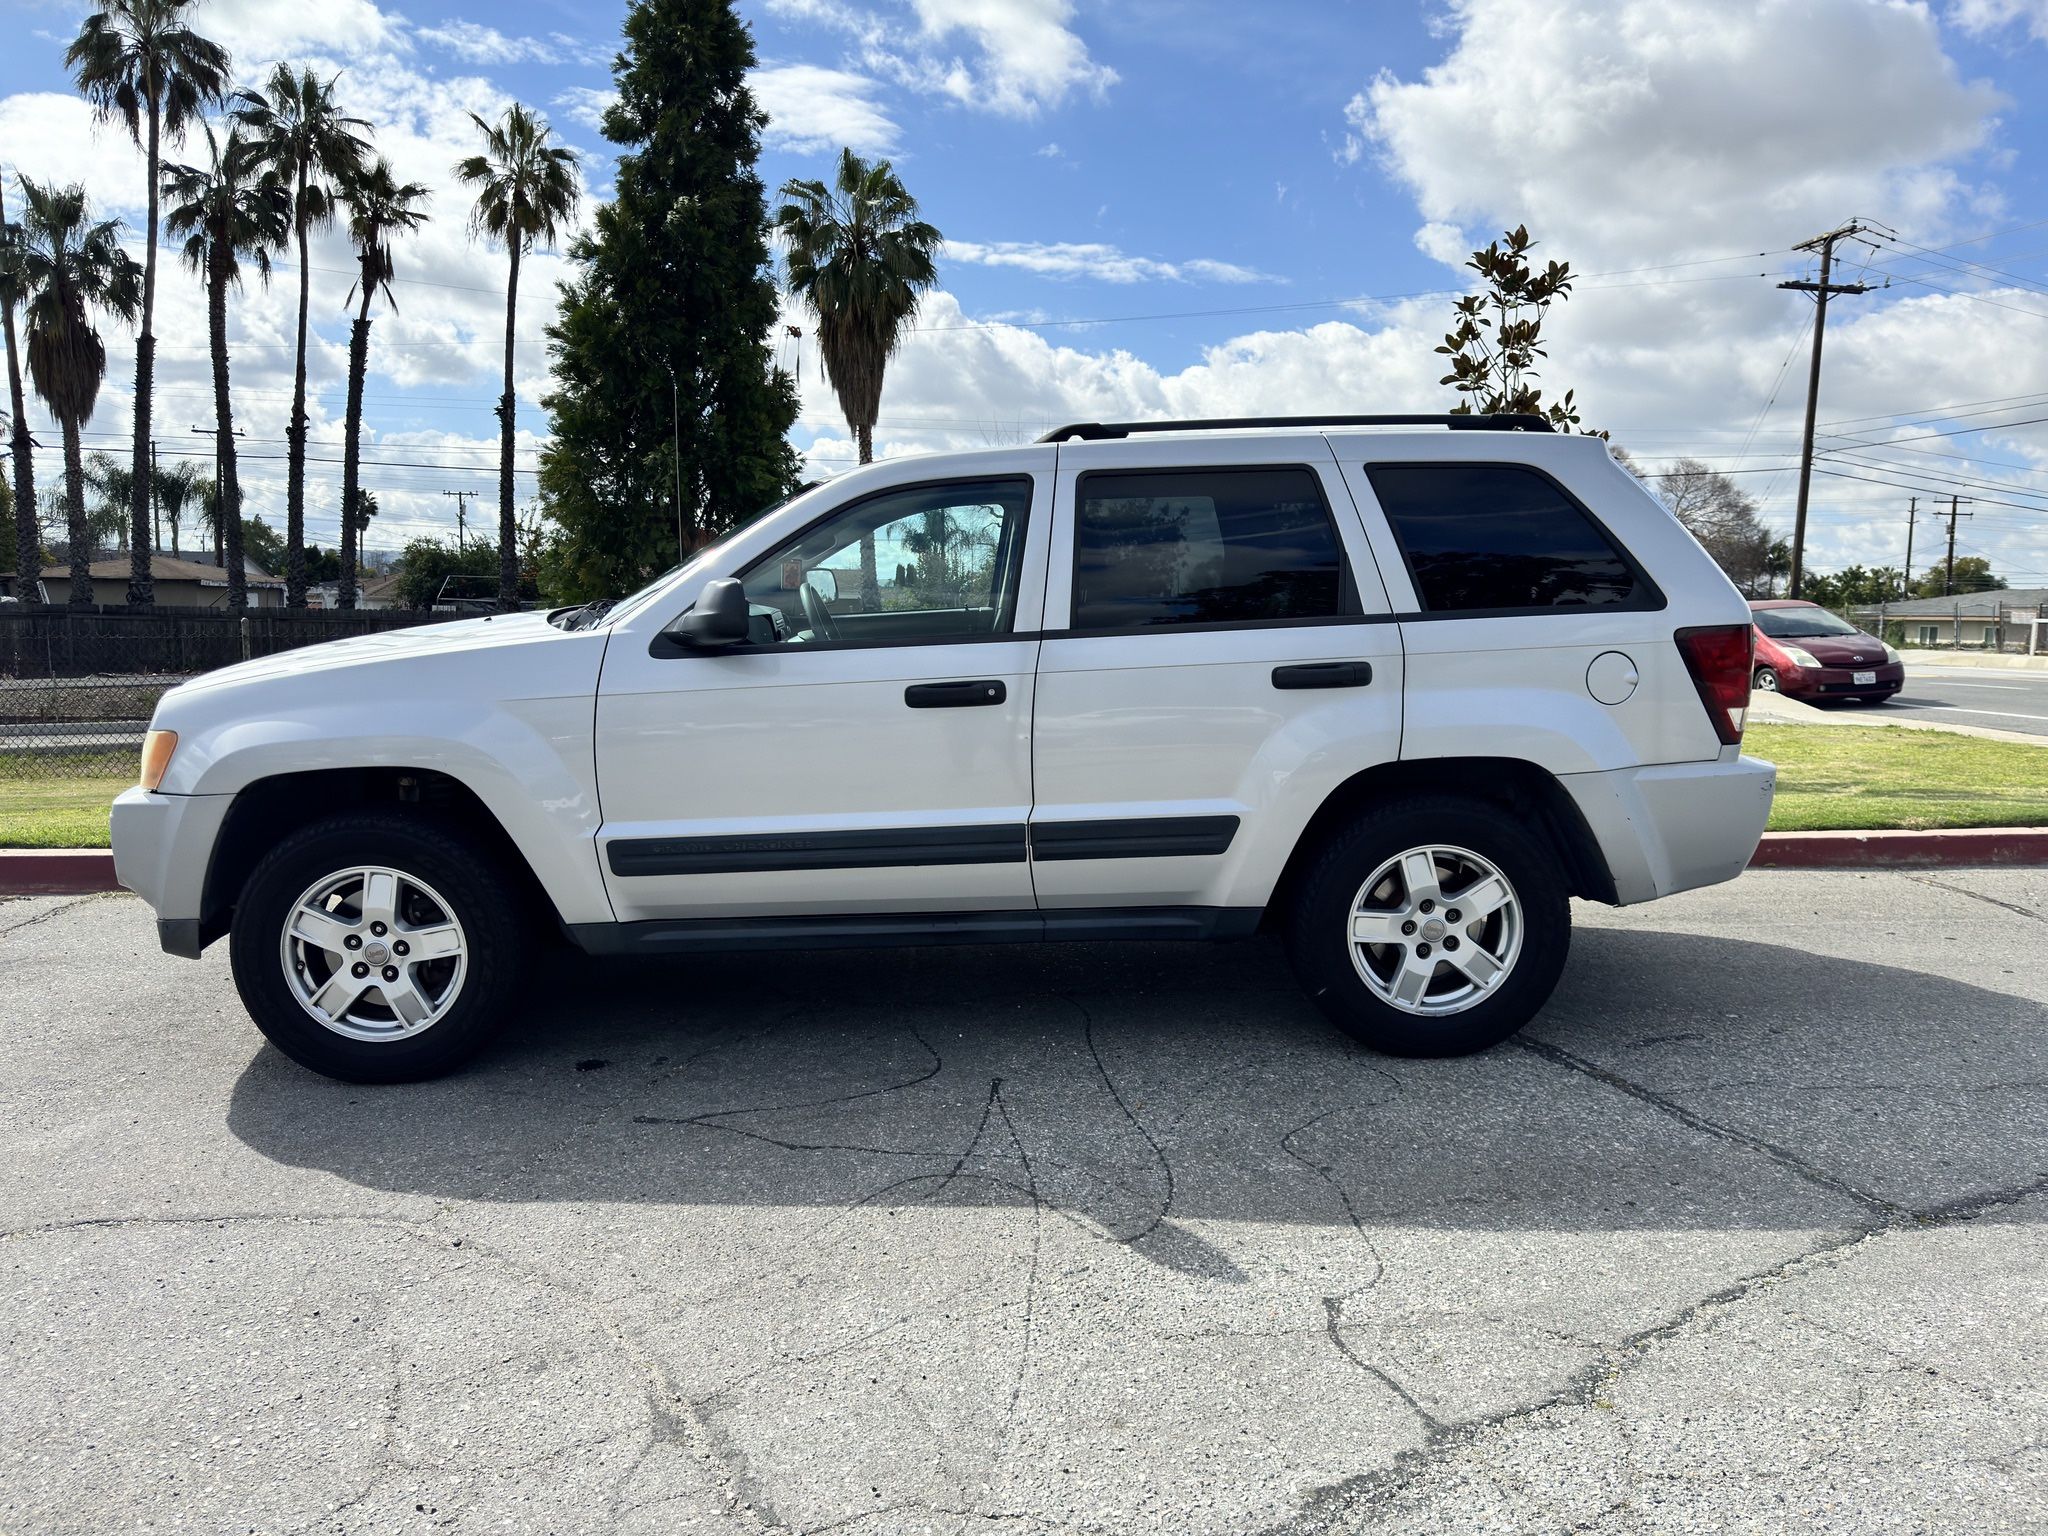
1491 536
1205 546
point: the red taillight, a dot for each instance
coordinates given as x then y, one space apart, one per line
1719 658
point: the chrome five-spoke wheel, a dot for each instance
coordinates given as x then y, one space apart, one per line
374 953
1435 930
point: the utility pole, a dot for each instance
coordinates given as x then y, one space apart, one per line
1948 581
1821 290
1912 513
461 514
156 519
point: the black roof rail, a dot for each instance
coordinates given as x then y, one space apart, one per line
1101 431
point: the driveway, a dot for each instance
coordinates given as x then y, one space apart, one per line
1746 1234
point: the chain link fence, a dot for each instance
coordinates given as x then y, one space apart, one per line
78 686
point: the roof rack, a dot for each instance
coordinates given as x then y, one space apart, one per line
1100 431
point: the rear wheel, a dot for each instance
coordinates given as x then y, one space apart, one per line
1433 928
377 948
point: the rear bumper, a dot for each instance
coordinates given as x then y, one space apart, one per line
1675 826
163 845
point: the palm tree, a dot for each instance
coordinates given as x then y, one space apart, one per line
379 209
138 60
107 520
227 210
303 138
28 543
861 258
177 486
526 192
68 267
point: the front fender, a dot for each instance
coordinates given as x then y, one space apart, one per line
530 759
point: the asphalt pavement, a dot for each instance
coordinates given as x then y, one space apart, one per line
1746 1234
2005 699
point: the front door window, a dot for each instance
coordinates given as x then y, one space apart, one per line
934 562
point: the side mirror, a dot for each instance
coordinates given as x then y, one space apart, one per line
826 582
720 617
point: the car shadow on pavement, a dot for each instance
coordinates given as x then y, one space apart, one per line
1674 1081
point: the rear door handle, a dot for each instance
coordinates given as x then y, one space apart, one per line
967 695
1324 674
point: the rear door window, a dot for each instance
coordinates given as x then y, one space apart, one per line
1161 548
1502 538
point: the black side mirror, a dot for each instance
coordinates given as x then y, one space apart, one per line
720 617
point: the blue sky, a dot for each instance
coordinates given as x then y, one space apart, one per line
1259 209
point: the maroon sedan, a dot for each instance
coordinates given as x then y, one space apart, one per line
1805 652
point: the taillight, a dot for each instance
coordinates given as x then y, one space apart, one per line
1719 657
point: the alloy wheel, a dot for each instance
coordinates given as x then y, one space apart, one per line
1435 930
374 953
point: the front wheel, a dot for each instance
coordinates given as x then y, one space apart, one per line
1765 681
377 948
1433 928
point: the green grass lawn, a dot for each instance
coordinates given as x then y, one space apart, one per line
1863 779
57 813
1830 777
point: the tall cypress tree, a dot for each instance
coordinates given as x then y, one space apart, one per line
661 354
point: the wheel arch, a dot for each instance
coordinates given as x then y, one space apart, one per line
1513 784
270 808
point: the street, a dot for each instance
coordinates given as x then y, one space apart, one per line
2005 699
1745 1233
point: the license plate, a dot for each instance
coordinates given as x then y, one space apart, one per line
1863 679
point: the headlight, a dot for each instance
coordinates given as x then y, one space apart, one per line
1800 658
1891 656
157 748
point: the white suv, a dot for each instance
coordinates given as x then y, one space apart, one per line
1393 687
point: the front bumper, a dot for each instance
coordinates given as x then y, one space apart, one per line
1675 826
163 845
1840 682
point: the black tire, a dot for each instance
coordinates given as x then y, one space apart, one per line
1765 680
472 883
1318 926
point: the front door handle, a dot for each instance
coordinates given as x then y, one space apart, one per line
1324 674
967 695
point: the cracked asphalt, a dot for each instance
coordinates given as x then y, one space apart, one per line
1746 1234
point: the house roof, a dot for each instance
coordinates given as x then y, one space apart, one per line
1975 605
165 568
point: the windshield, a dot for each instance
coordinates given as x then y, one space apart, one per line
625 607
1801 623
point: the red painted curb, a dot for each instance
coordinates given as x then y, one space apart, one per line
56 871
2025 846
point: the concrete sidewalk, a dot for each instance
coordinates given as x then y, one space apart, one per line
1747 1233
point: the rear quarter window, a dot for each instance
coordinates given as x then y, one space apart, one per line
1503 538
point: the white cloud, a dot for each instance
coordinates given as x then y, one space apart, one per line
1985 17
475 43
1646 124
260 32
812 109
1020 56
1443 242
585 106
1102 263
